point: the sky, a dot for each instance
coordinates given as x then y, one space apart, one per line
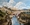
19 4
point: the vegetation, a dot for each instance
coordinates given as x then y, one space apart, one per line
24 15
2 14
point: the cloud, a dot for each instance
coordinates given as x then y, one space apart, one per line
3 2
11 3
28 7
20 5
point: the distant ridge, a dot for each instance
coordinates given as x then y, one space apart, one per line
25 9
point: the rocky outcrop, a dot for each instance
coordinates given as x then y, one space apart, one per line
5 18
24 17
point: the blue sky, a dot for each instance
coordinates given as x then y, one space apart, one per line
20 4
4 0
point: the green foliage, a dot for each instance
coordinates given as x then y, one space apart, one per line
26 15
2 14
